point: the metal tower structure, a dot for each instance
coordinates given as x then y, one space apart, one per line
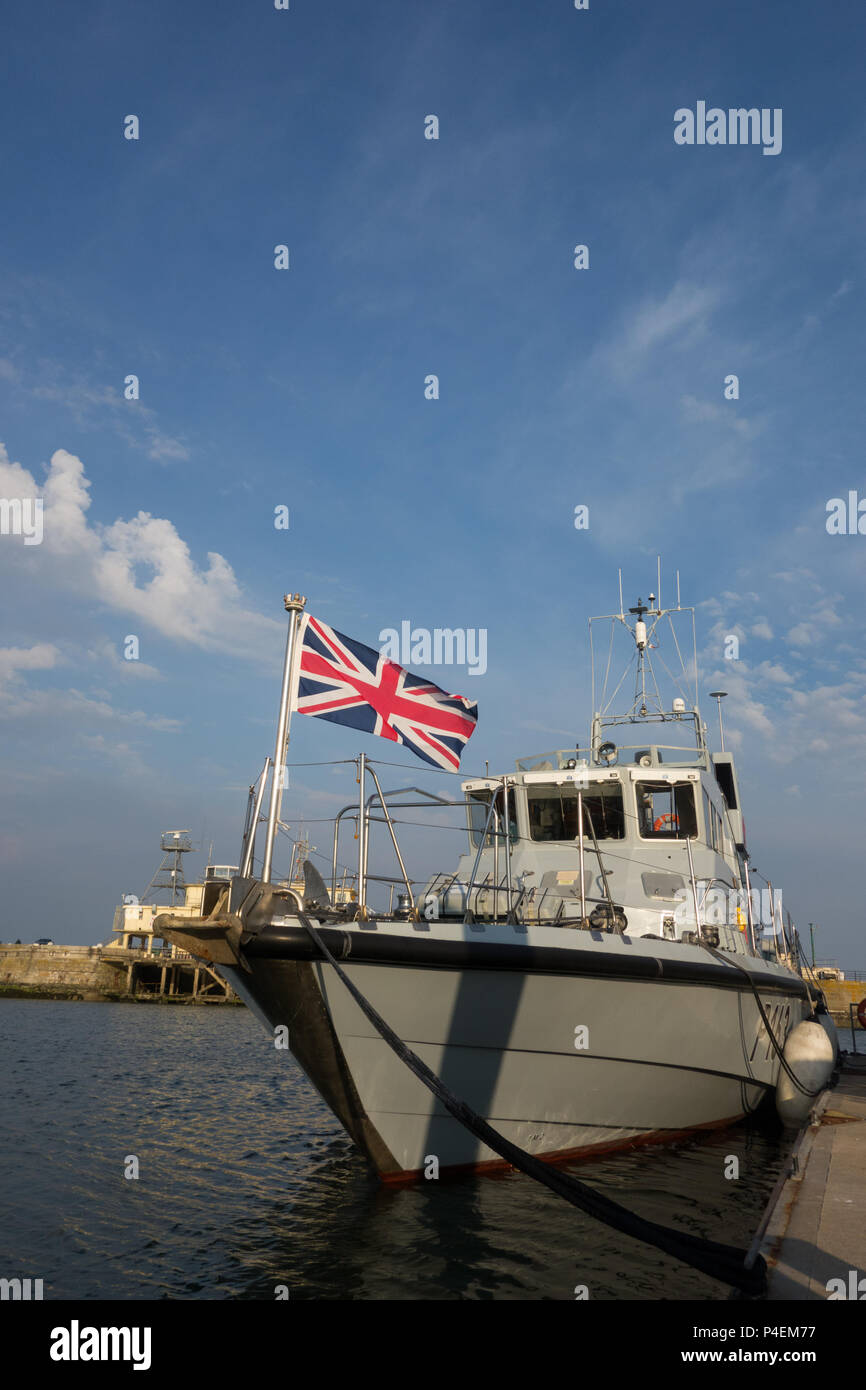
169 876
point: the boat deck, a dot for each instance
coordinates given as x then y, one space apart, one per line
817 1226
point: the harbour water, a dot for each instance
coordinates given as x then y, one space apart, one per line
246 1182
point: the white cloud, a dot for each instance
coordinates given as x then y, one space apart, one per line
40 657
72 708
675 322
107 653
141 567
816 624
826 614
131 420
18 701
813 319
683 311
163 447
115 751
697 412
796 712
754 715
772 671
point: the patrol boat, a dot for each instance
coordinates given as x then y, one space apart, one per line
592 974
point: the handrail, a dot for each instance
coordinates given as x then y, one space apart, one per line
490 813
378 796
509 915
602 868
694 888
352 806
708 883
413 912
580 849
363 828
249 837
398 791
502 830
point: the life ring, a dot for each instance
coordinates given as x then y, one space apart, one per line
861 1013
674 823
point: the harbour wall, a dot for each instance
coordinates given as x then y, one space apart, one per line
105 973
840 994
59 972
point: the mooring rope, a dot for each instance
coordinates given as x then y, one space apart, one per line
795 1081
722 1262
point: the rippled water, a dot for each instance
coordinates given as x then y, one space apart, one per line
246 1180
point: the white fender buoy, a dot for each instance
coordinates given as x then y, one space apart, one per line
826 1022
810 1055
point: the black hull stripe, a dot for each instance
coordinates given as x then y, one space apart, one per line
285 942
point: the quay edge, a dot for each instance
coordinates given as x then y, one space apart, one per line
815 1224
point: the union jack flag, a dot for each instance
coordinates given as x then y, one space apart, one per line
344 681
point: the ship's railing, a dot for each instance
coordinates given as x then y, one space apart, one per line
560 760
691 756
565 759
496 896
494 900
362 812
519 901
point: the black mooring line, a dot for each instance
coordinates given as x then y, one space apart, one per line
722 1262
770 1034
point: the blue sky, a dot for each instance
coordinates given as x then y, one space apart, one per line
305 387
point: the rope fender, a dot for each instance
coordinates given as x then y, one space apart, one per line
723 1262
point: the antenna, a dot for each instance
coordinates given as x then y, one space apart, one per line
718 696
642 624
659 585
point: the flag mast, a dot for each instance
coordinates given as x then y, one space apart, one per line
294 604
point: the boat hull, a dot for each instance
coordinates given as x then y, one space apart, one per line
562 1062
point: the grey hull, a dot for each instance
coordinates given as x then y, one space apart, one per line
558 1064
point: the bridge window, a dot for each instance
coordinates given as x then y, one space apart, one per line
479 807
666 810
553 812
715 835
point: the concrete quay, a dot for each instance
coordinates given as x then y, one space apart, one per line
815 1240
